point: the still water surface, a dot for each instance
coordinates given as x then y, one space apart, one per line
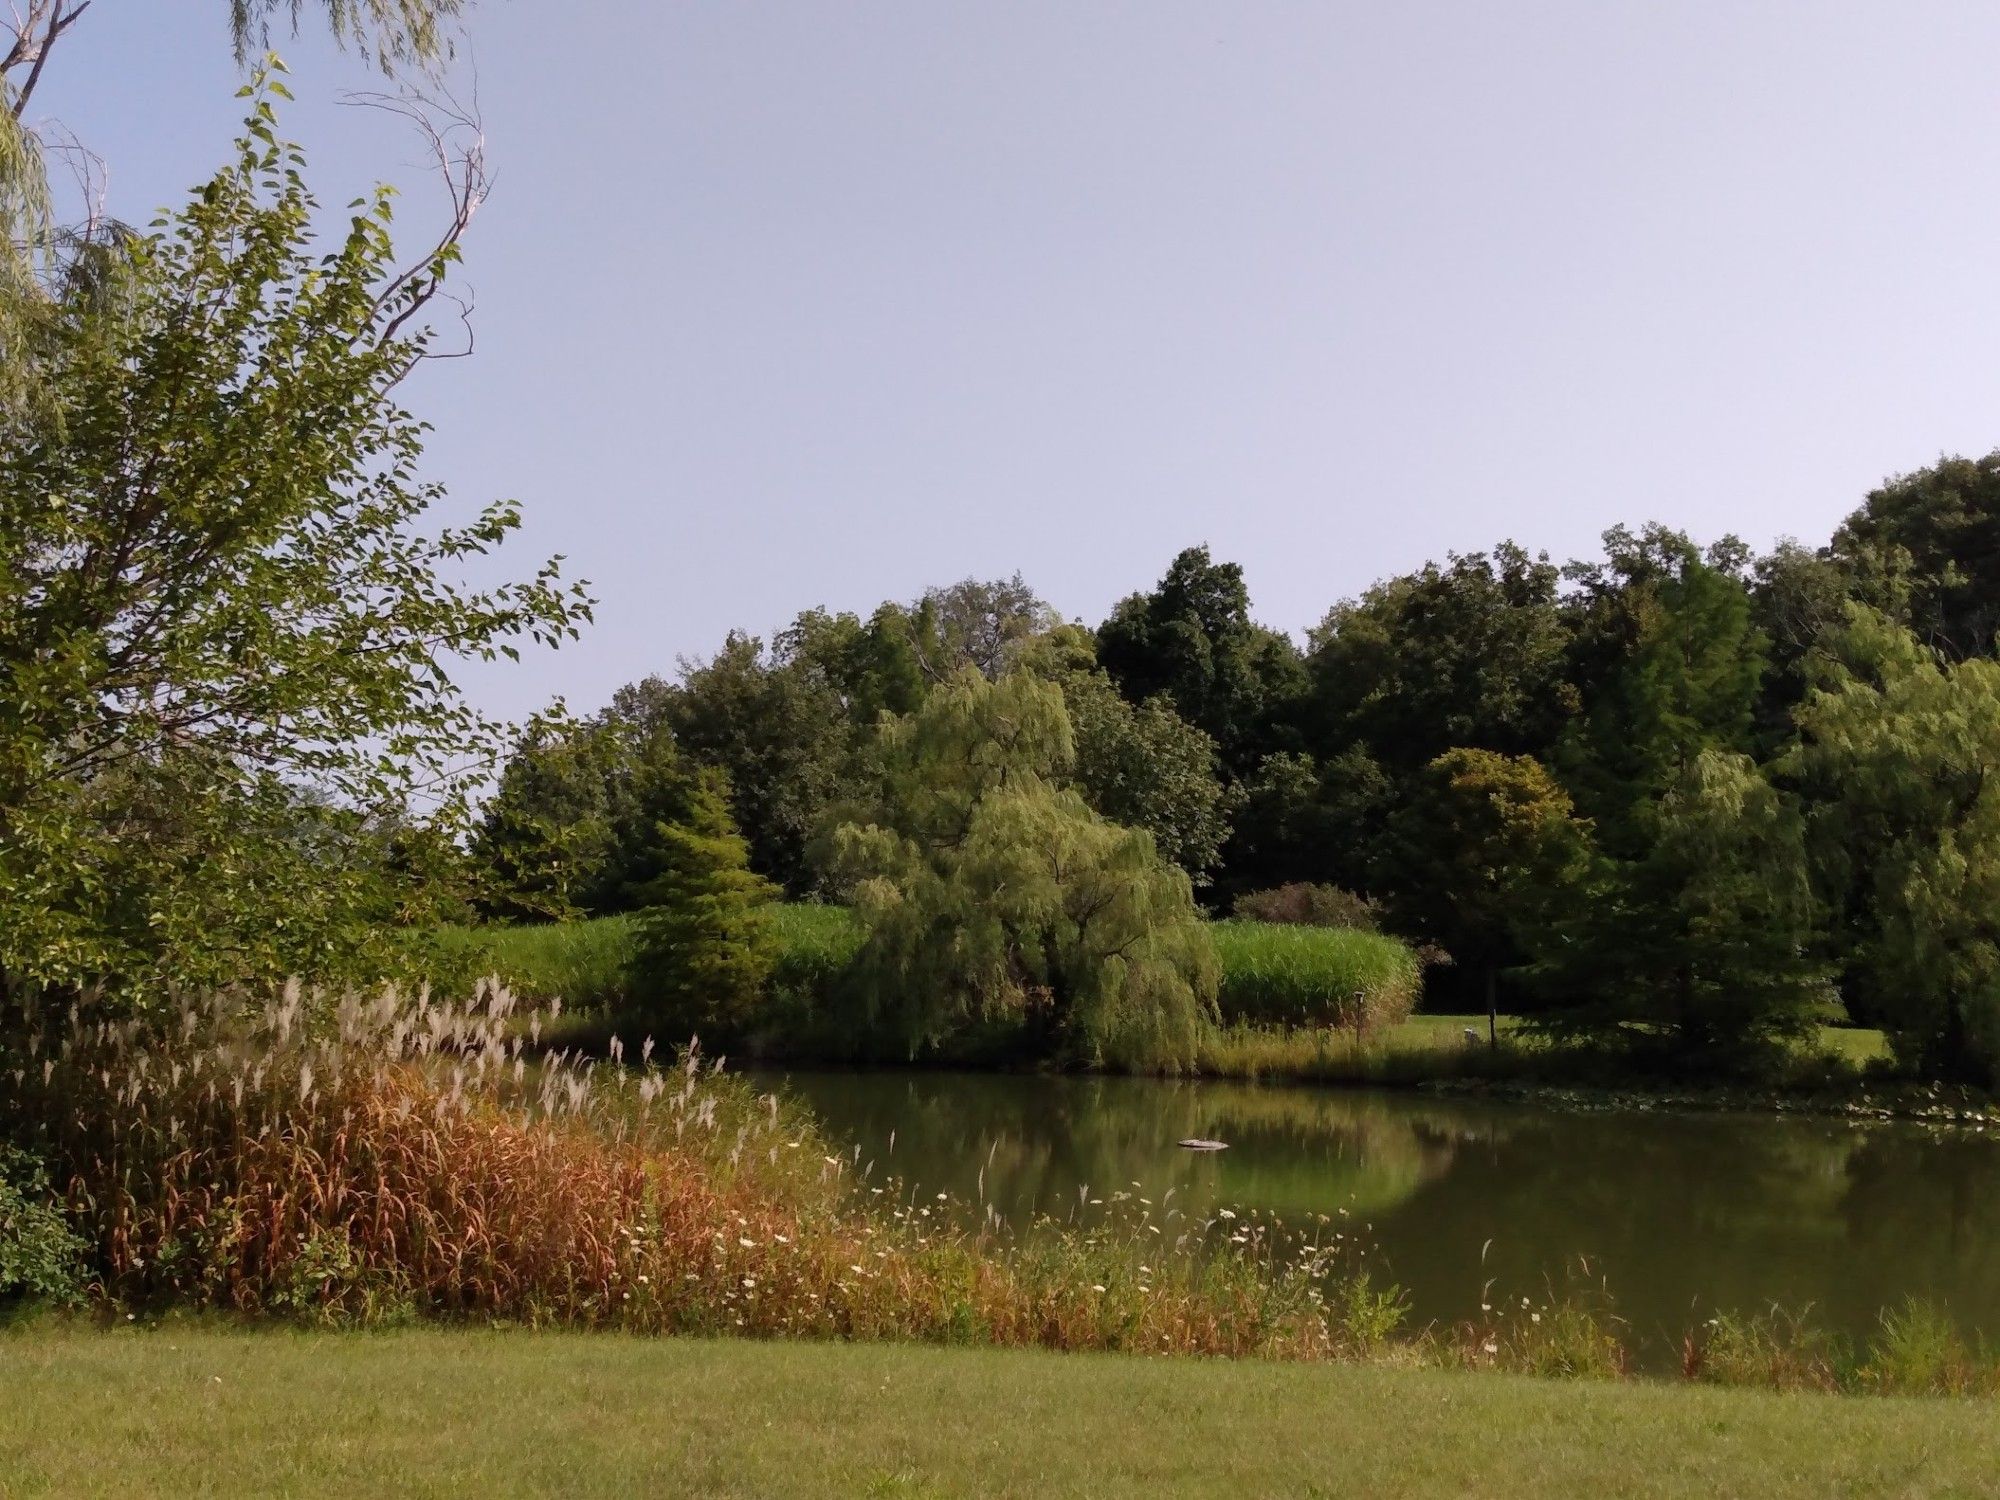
1684 1214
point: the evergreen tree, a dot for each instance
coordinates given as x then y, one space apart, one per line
703 944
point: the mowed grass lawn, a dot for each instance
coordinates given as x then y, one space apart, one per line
1856 1044
181 1410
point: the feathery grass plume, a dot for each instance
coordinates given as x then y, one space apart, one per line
353 1157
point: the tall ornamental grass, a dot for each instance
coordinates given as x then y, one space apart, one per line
354 1159
1277 974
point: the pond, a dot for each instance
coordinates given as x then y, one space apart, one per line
1682 1214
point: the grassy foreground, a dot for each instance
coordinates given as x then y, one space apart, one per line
188 1409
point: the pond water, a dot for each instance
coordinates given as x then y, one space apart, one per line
1683 1215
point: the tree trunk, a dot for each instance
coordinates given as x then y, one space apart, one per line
1492 1006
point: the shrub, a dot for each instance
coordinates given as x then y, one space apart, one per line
1299 904
41 1258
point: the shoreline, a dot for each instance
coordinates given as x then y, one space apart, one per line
1509 1074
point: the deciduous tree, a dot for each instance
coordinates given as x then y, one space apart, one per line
217 595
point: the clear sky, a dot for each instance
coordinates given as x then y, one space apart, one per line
820 303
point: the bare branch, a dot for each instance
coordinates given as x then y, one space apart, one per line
456 142
59 21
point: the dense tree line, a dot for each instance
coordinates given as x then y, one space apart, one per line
1677 796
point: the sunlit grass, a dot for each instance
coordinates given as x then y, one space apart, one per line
183 1409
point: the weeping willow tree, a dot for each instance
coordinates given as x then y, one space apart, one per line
1902 753
991 893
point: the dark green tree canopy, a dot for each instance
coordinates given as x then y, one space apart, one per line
1488 845
1686 678
1146 767
1473 653
1193 641
1705 941
1925 550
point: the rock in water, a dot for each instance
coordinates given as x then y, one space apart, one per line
1195 1143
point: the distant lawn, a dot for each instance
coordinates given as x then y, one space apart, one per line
1854 1044
182 1411
1428 1048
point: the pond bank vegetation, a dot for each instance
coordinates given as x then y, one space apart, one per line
354 1161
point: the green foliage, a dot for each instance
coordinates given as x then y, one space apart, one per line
1694 926
398 33
1486 845
1901 749
1685 679
1299 904
1470 653
777 726
1193 640
1925 550
1321 976
702 944
546 840
1707 940
225 642
41 1257
1316 821
981 624
1144 766
991 892
44 264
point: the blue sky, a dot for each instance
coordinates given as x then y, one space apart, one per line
798 304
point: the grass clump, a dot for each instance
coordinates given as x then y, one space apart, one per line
1286 974
1917 1351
